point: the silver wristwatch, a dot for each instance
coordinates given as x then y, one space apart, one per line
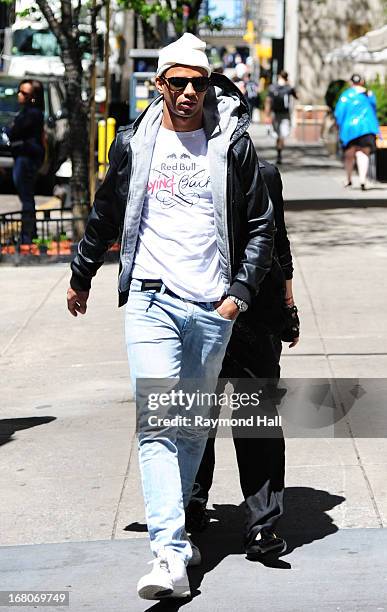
242 305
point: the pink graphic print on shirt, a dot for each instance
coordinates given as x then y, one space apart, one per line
179 180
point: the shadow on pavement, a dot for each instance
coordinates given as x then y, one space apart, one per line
301 158
371 188
9 426
167 605
305 520
136 527
324 230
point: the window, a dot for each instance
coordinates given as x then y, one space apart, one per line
44 43
356 30
8 98
35 42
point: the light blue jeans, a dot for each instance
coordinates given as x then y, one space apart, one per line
170 338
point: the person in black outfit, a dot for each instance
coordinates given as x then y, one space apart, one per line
26 137
252 94
277 110
254 352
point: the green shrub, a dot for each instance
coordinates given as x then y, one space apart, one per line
379 87
334 91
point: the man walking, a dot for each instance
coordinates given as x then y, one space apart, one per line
197 234
277 110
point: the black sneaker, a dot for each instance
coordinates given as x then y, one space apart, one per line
265 543
196 517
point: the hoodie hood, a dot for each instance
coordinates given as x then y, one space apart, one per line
225 106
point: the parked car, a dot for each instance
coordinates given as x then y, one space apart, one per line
55 125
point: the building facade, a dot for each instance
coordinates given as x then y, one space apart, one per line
315 27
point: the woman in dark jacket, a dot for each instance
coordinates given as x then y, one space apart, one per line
26 137
254 352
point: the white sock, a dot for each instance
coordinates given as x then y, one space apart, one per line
362 161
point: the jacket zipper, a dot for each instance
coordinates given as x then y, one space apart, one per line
122 251
230 173
232 201
229 269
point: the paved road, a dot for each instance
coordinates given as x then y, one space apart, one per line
69 471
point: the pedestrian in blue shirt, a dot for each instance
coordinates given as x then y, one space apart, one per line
356 117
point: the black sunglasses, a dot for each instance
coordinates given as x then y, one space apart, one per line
180 83
23 93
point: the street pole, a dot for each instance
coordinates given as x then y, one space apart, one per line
107 76
250 38
93 78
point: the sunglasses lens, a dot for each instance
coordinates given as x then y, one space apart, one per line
177 83
180 83
200 83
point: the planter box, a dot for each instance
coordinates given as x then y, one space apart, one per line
115 248
8 250
63 247
381 143
309 122
381 165
29 249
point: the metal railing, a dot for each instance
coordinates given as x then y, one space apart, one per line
53 230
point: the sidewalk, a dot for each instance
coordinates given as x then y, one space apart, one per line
10 202
313 178
72 511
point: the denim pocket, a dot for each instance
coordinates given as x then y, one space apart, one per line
224 318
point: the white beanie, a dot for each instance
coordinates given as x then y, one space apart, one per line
187 51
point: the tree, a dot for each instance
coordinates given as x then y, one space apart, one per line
65 19
183 14
65 24
74 24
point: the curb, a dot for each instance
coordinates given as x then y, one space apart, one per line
47 260
321 204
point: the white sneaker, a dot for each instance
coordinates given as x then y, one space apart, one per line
196 558
178 573
158 583
168 578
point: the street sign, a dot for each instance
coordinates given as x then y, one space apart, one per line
272 18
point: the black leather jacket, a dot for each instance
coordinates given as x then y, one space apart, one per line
249 214
26 134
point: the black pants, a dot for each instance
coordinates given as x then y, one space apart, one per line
25 171
261 460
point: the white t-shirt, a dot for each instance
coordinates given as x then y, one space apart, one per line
177 241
